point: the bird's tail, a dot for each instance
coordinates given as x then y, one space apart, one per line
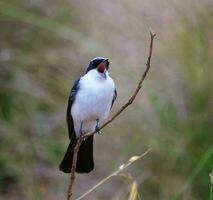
85 162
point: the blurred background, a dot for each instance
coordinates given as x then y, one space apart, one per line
46 45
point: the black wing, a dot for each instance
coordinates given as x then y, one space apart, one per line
71 99
114 97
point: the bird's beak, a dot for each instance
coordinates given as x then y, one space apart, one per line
105 60
104 75
102 68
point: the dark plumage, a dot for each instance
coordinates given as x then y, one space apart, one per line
95 62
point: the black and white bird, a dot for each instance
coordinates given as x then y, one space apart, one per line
90 101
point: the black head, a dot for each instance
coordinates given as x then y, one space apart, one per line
95 62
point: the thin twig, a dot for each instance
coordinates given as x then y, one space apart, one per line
115 173
72 177
128 103
132 98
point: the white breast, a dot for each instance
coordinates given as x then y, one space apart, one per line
93 101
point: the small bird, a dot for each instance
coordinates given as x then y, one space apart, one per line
90 101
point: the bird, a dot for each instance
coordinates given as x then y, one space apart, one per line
90 101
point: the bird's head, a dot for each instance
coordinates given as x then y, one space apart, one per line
100 64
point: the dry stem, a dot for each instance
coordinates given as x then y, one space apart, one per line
129 102
115 173
72 177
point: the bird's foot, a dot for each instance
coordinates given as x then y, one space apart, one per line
97 129
83 137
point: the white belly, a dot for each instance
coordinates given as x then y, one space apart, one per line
93 101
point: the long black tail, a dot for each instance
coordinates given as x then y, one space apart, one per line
85 162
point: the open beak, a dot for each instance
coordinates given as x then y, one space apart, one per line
102 68
105 60
104 75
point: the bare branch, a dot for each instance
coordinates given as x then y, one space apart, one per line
128 103
132 98
72 177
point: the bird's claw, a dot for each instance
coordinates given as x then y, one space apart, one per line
83 137
97 130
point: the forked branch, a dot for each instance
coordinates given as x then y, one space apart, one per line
128 103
